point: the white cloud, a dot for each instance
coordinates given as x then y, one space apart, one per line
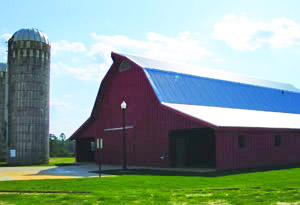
3 54
60 105
241 33
6 36
218 60
3 46
185 47
63 45
91 71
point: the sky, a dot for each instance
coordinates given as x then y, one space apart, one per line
258 38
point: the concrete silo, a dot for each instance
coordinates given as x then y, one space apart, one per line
3 111
28 97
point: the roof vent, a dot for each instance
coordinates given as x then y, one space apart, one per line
125 65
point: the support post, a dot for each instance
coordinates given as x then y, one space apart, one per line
99 147
124 142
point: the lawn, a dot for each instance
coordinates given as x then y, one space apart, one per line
53 161
264 187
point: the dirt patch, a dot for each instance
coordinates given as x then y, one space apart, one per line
198 195
217 202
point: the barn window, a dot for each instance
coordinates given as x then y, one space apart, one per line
277 141
242 141
125 65
93 147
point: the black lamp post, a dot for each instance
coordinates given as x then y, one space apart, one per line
123 107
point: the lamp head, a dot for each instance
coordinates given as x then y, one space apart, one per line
123 105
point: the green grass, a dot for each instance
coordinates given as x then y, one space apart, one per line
60 161
53 161
264 187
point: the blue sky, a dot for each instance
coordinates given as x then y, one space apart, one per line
259 38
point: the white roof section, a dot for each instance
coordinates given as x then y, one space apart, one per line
206 72
30 34
228 117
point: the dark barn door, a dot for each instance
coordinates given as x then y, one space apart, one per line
180 148
192 148
85 150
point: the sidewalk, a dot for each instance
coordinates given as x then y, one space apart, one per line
53 172
83 170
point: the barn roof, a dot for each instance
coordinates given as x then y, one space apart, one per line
206 72
228 117
220 98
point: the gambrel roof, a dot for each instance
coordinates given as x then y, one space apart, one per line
220 98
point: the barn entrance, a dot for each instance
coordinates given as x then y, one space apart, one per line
85 150
192 148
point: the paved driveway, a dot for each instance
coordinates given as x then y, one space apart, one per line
62 172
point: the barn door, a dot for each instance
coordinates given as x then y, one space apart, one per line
180 152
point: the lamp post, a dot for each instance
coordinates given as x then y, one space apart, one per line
123 107
99 147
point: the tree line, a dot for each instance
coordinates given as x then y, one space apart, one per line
60 146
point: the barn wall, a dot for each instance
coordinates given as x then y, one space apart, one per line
144 111
259 151
149 140
89 129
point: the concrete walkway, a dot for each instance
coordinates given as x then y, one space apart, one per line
82 170
53 172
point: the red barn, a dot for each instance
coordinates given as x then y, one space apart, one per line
178 115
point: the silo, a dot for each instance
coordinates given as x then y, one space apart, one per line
28 97
3 120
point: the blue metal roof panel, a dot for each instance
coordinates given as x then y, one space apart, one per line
178 88
208 73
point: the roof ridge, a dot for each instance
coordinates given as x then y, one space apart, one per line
180 68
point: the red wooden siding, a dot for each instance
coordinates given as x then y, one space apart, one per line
260 149
144 111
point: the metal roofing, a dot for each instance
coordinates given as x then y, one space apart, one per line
3 67
207 72
30 34
228 117
171 87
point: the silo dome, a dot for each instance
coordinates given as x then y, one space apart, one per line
30 34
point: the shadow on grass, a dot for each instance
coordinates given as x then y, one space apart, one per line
151 172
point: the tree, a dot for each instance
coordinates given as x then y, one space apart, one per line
62 137
60 147
52 137
52 143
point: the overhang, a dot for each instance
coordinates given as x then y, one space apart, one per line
230 117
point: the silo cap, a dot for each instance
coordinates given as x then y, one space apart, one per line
30 34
